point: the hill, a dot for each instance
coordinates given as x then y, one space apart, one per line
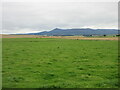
72 32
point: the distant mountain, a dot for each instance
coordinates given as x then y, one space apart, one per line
81 31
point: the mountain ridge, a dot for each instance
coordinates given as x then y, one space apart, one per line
76 31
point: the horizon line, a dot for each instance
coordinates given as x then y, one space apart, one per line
58 28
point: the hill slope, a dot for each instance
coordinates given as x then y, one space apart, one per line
84 31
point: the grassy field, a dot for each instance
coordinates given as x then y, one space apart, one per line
59 63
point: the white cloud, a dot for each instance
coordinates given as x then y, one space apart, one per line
60 0
29 17
20 30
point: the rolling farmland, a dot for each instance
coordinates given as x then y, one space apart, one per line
59 63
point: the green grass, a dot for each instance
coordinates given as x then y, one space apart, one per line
59 63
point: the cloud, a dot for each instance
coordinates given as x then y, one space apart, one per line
19 30
21 17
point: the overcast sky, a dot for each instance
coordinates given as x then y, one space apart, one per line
26 17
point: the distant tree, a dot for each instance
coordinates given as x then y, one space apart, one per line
104 35
118 35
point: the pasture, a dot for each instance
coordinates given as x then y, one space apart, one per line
59 63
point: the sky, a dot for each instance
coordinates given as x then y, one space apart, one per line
29 17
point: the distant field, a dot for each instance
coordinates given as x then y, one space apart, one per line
59 63
63 37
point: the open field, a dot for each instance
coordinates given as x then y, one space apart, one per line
63 37
59 63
